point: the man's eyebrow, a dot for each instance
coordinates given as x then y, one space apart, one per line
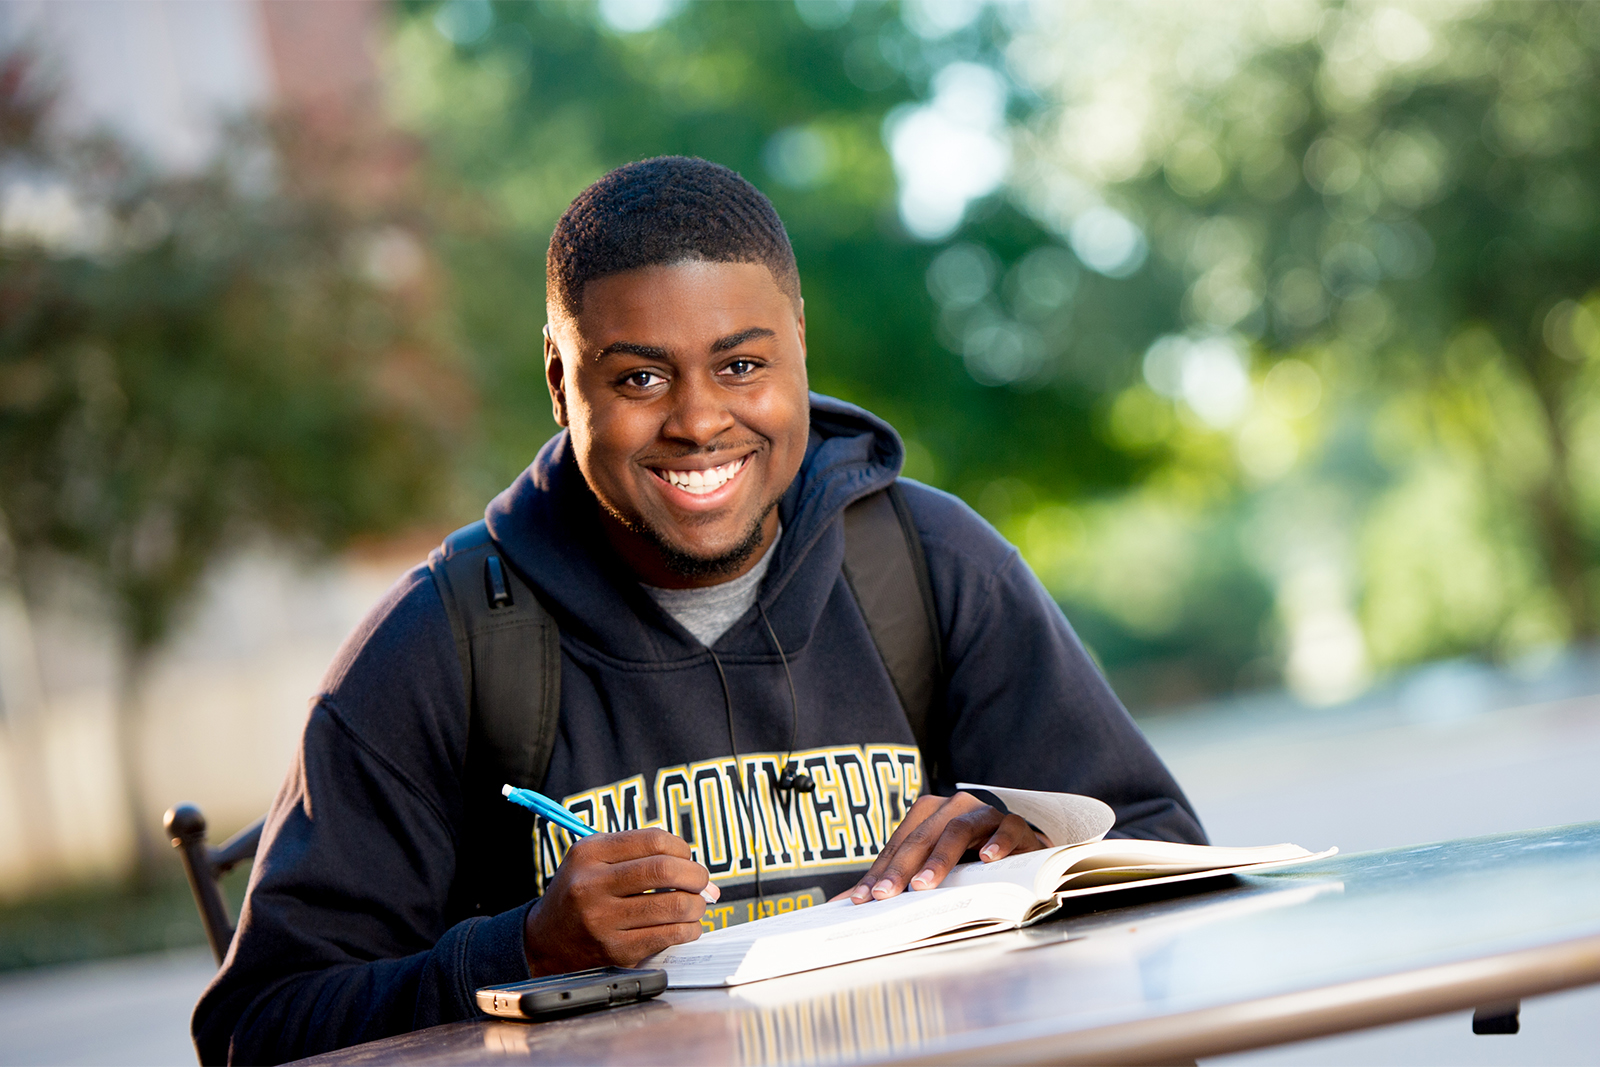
633 348
721 344
734 340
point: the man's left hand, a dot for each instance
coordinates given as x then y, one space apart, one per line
932 838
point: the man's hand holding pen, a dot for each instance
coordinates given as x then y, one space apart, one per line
611 903
616 899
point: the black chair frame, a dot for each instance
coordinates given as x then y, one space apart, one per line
205 867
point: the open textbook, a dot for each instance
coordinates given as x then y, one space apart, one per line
974 899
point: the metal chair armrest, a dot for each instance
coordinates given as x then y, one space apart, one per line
238 848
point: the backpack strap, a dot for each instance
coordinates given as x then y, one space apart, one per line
510 651
887 571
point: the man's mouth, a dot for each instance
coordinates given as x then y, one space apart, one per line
701 482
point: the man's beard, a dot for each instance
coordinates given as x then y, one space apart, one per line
687 565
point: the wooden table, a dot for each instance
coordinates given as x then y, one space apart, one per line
1349 942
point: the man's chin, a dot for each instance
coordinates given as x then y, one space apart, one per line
702 565
699 564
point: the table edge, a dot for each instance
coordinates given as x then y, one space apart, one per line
1286 1017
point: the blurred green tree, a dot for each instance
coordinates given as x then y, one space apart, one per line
1393 207
189 362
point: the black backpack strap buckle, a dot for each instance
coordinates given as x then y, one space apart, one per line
510 652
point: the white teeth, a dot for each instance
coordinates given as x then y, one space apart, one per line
702 482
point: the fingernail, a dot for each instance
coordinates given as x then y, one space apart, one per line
712 893
883 888
923 880
988 852
860 894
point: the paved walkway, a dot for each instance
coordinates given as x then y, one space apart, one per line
132 1011
1452 752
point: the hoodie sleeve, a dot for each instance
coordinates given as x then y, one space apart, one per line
343 938
1028 707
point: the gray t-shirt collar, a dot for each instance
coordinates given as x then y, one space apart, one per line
707 613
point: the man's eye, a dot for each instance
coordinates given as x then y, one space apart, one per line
642 379
740 367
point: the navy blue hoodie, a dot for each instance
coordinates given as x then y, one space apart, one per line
359 921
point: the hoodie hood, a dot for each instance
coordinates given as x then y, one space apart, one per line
548 524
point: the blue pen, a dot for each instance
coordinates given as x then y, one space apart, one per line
543 805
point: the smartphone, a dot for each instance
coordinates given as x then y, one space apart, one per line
558 994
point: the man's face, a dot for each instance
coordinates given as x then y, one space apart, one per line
684 390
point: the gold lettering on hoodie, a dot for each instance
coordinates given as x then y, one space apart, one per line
734 817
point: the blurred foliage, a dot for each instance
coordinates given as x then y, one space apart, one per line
96 921
1386 217
188 361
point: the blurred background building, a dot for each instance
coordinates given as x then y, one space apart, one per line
1268 331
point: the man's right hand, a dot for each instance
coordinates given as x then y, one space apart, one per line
598 911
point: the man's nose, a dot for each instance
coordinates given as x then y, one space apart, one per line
700 412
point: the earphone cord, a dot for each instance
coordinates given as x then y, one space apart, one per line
738 764
794 703
794 722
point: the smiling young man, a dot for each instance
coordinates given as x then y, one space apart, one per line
725 716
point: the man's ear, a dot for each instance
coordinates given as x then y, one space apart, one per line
801 318
555 376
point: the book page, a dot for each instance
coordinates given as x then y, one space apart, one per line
1046 871
1064 818
839 932
1038 872
1171 857
1109 880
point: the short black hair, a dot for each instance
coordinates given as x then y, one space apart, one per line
661 211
